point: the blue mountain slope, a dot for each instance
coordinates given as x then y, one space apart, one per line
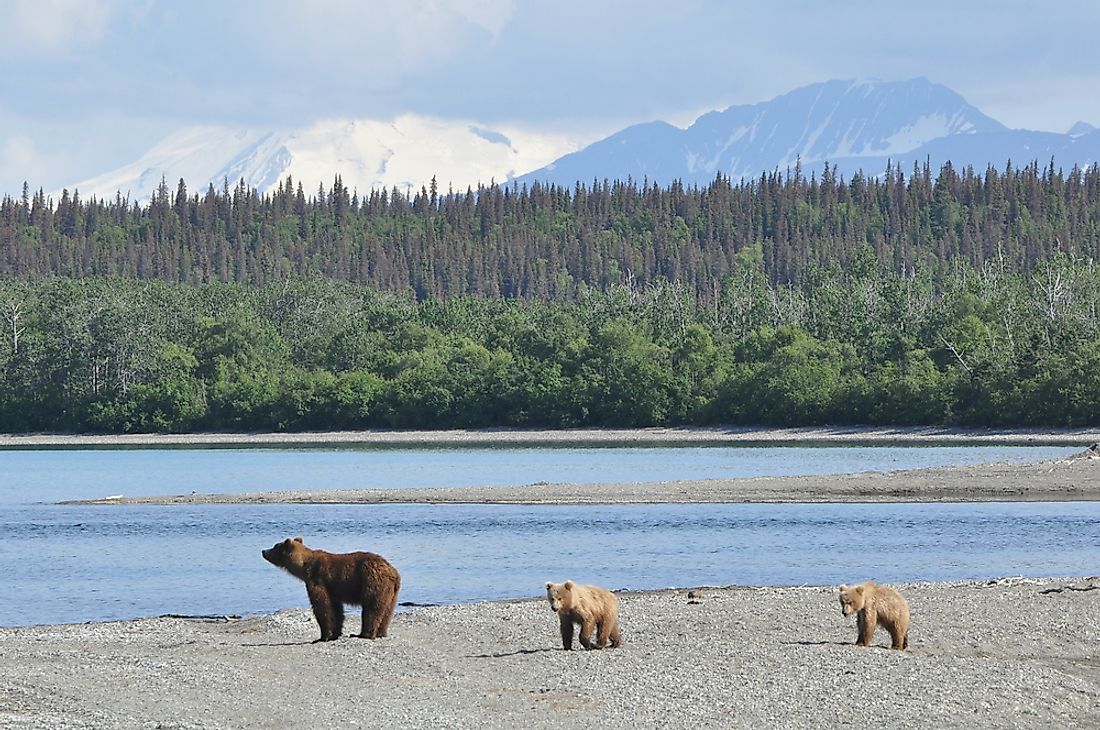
1021 147
650 150
857 125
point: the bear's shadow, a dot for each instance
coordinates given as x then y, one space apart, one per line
517 652
817 643
283 643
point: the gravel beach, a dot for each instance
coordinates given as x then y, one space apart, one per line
1008 653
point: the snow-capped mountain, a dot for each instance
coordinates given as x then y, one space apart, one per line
366 154
853 125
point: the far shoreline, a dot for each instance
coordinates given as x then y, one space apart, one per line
503 437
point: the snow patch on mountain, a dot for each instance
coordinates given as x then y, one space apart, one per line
911 136
406 153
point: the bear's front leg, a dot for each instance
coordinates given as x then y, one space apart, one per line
337 619
867 622
567 633
324 613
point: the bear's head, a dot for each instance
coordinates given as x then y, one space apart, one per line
290 554
560 595
851 599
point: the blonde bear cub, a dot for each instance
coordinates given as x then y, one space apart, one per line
594 608
877 604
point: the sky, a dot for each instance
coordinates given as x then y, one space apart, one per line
90 85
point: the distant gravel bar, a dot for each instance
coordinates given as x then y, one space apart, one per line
1075 478
1009 653
623 437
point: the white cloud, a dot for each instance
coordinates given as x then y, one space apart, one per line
52 28
492 15
21 160
382 38
53 154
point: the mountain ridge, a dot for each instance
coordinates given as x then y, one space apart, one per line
854 125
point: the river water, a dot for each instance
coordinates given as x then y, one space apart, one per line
69 563
60 474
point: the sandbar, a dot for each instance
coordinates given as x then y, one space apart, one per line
1076 478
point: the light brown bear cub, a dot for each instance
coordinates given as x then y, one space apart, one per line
592 607
333 579
877 604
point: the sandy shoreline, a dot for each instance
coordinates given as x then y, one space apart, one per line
1063 480
501 437
1009 653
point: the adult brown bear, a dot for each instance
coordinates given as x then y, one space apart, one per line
333 579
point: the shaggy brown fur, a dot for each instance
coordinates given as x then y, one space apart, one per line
877 604
592 607
362 579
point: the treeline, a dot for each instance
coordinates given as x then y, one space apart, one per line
866 344
556 244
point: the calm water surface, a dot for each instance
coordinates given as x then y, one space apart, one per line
67 563
55 475
72 564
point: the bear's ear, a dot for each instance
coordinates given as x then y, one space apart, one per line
843 588
549 584
298 538
568 585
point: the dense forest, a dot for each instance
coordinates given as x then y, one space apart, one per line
861 344
556 244
967 299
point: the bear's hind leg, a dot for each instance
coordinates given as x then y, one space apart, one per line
900 636
607 630
369 628
588 626
379 602
386 607
601 634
